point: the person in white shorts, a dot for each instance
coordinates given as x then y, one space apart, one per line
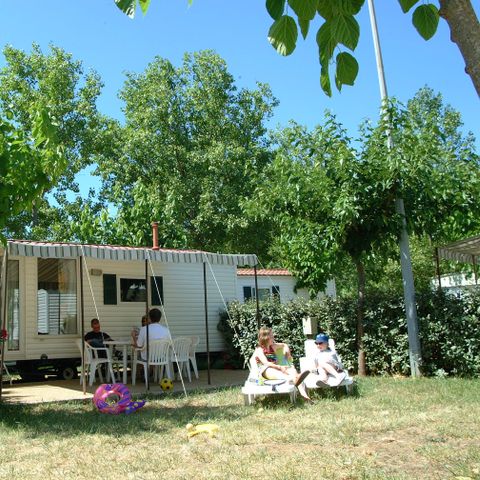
328 366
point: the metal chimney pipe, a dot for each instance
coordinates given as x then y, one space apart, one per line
155 235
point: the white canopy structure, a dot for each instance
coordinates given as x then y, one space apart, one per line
464 251
25 248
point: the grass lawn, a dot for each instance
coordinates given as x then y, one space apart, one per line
393 428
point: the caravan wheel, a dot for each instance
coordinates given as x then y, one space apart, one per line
67 372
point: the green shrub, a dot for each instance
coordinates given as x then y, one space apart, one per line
448 326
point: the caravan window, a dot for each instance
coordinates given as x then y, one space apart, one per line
249 293
13 305
133 290
57 296
263 294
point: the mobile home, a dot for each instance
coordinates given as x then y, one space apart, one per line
51 291
274 281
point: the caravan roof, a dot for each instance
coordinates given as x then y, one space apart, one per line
29 248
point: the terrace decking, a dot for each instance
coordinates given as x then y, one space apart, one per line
64 390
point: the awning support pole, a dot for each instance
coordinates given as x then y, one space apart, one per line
474 261
205 296
82 325
437 269
147 376
4 316
256 295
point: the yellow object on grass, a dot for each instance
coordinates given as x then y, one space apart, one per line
208 428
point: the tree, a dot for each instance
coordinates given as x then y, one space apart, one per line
190 151
340 29
30 164
334 202
57 81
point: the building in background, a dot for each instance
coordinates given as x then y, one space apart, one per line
274 281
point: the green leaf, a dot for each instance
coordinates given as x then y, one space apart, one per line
325 81
425 20
351 7
144 4
304 26
346 30
275 8
283 35
407 4
326 9
127 7
305 9
326 42
329 9
347 69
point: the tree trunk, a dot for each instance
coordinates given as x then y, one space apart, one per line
465 32
362 370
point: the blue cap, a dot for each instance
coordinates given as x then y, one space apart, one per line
322 338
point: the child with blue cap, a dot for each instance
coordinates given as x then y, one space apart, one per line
328 366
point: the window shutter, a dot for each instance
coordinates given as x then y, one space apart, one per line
156 282
109 289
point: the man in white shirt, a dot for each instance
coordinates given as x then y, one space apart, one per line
156 331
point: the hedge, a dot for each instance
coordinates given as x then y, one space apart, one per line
448 326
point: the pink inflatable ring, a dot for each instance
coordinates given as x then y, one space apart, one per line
123 404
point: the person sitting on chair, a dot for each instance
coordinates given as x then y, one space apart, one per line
269 356
96 337
327 363
135 330
155 331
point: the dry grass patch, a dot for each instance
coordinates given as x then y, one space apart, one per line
393 428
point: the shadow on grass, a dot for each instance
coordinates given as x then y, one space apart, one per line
68 419
337 393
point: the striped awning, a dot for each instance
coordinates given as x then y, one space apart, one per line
25 248
466 251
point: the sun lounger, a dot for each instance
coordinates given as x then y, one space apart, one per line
307 363
256 386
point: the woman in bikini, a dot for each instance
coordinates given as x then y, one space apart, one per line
274 361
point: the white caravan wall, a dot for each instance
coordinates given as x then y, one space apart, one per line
183 294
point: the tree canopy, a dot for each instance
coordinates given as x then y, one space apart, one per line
190 150
332 196
32 82
30 164
335 201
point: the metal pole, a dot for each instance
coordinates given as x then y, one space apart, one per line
82 326
4 315
147 376
405 260
205 298
474 262
437 268
256 295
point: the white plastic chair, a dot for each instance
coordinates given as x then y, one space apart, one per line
194 341
6 373
93 361
180 355
158 356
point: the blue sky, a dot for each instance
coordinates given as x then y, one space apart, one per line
105 40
